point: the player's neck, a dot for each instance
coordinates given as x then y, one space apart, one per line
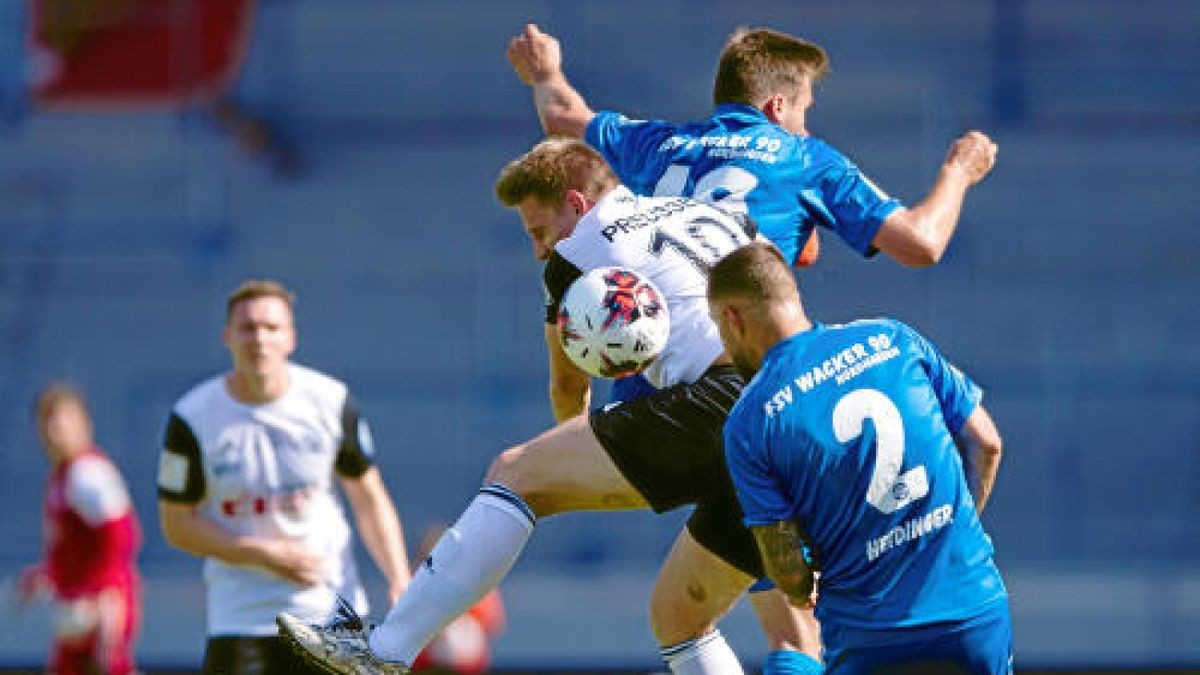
786 321
257 388
61 456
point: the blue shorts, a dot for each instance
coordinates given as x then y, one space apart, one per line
980 646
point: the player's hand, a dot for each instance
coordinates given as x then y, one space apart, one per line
534 55
32 584
290 560
974 154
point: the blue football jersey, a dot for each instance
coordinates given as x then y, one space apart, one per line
848 431
742 162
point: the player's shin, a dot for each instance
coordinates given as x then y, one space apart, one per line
708 654
469 560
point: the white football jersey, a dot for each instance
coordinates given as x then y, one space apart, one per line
268 470
674 241
95 490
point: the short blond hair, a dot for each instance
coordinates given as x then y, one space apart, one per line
552 167
259 288
55 394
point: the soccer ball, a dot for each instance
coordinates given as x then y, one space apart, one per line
613 322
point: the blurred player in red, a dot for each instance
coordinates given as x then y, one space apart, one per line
124 55
464 646
91 538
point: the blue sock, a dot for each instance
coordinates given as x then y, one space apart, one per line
785 662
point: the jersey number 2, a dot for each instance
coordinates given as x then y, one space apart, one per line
889 490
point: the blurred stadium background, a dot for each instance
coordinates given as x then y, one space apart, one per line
1070 290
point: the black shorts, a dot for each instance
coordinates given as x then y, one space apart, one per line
669 446
252 655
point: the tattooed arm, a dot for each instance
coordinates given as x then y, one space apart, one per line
781 547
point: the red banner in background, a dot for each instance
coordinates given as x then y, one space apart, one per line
117 54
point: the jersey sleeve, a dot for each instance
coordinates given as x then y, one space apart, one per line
955 391
180 467
847 202
558 276
96 491
629 146
763 503
357 451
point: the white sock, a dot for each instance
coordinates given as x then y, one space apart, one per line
706 655
469 560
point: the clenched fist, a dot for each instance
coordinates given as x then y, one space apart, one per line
974 154
534 55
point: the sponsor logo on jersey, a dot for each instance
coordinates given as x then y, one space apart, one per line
172 471
646 217
226 460
366 442
291 501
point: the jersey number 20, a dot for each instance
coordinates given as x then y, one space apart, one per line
889 490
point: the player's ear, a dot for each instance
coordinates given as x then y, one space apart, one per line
774 107
735 319
578 202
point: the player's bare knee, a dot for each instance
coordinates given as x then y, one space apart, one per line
675 618
672 628
518 470
508 469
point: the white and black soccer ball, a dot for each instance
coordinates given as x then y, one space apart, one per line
613 322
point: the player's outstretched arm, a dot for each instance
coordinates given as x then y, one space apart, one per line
33 583
781 548
917 237
379 525
537 59
980 441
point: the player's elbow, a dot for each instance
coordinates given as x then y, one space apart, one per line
174 538
920 253
569 394
566 120
991 448
928 259
909 237
173 521
562 125
171 535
